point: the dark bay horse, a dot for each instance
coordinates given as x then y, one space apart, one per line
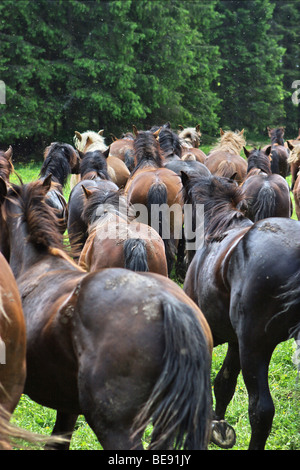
279 152
116 239
225 159
93 174
266 194
60 161
119 347
153 187
250 301
169 143
294 162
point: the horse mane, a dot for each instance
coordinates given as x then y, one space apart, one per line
112 199
94 139
294 156
169 142
41 221
6 166
59 159
220 197
190 134
276 135
94 162
147 151
232 142
258 159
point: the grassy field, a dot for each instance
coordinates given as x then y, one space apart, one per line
283 385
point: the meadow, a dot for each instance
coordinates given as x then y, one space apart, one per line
283 381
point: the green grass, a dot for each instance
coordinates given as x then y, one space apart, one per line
282 379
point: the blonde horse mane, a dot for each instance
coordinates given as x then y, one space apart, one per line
294 156
90 141
190 135
232 142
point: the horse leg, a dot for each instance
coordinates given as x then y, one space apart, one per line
64 426
223 435
255 363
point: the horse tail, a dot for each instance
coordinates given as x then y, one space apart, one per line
226 169
135 254
158 196
265 203
180 404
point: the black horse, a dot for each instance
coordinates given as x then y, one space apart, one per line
250 298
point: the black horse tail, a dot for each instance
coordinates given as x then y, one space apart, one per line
180 404
135 254
265 203
157 197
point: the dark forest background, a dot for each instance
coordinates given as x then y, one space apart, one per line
78 65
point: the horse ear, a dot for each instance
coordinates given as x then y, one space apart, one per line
86 191
156 133
106 152
101 132
268 150
181 127
290 146
47 182
246 152
221 131
3 190
184 178
233 176
9 152
78 135
197 128
242 131
135 131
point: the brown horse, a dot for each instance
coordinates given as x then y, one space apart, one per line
93 174
250 302
90 141
190 138
225 159
158 190
6 165
123 148
294 162
279 152
266 194
119 347
12 349
115 240
296 193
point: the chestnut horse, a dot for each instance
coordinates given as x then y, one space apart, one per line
115 240
123 148
6 165
190 141
154 187
296 193
119 347
225 159
294 162
266 194
12 348
250 302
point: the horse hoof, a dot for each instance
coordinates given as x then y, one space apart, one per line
222 434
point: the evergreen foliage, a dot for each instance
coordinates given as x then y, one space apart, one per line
108 64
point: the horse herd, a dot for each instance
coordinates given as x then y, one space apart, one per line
99 328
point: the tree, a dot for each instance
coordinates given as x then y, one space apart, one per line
251 85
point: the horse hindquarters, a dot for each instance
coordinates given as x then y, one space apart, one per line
137 348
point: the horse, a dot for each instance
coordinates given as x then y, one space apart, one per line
225 160
266 194
294 162
93 174
250 302
12 347
123 148
296 193
115 239
190 141
6 164
169 144
279 153
90 141
139 351
60 160
158 190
